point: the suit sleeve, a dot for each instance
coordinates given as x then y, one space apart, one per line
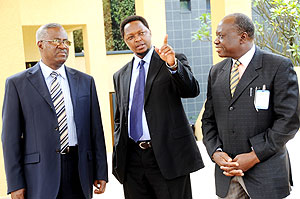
12 131
211 138
101 172
185 82
286 121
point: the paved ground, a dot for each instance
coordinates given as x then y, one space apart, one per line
203 180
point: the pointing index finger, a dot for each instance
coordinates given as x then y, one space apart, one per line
166 40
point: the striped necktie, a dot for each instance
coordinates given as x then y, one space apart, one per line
234 77
59 105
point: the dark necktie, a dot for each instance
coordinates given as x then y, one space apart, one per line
234 77
136 127
59 105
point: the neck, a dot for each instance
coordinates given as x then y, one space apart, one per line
142 55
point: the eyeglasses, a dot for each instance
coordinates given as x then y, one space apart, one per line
57 42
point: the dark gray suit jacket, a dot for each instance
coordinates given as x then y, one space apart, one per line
172 138
234 125
30 138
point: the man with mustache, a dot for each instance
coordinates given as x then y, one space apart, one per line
52 136
155 149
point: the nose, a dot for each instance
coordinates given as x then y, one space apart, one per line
137 38
216 41
62 45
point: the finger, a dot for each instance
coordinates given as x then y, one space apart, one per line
166 50
166 40
96 184
227 169
102 187
231 164
157 50
237 172
227 174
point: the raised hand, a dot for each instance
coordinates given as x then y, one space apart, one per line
166 52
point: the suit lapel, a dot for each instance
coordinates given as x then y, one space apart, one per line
73 84
249 75
154 67
126 78
224 77
37 80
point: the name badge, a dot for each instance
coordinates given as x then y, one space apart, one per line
261 100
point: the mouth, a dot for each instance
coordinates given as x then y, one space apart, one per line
140 46
218 49
62 53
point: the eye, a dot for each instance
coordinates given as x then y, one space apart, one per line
130 38
142 33
56 41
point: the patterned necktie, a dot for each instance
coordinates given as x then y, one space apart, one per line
234 77
136 127
59 105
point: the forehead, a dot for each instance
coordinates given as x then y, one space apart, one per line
56 33
134 26
227 25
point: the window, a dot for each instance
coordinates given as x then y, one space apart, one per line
185 5
114 12
78 41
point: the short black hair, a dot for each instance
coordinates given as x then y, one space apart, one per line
244 24
130 19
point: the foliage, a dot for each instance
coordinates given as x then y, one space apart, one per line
78 40
279 27
203 34
114 12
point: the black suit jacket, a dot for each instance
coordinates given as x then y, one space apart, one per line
30 137
172 138
234 125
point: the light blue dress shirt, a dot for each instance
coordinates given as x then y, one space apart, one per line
63 80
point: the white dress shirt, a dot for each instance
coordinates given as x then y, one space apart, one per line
134 75
245 60
64 84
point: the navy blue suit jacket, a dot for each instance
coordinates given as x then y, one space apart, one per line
30 138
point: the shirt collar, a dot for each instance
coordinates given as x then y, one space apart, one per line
46 70
147 57
246 58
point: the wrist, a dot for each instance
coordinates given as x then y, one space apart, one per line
174 66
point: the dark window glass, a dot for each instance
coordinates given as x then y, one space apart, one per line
185 5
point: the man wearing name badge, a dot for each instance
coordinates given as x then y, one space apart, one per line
52 136
155 149
250 114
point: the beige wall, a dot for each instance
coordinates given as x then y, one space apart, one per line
20 19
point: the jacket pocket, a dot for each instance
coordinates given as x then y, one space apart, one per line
32 158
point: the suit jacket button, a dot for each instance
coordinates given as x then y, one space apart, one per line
231 108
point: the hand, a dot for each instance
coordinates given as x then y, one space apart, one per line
229 167
166 52
246 160
19 194
100 186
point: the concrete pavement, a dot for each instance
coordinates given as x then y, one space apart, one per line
203 186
